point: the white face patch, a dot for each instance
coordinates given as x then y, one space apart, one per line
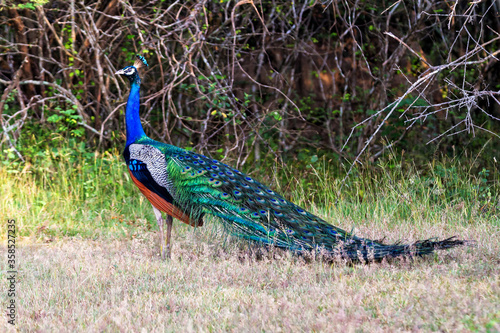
130 71
155 163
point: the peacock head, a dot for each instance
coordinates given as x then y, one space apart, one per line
132 72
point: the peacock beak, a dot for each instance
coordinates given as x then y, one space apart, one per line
120 72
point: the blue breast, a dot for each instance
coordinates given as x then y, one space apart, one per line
136 165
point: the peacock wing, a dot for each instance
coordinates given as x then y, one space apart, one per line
148 169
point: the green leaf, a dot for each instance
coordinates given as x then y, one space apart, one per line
55 118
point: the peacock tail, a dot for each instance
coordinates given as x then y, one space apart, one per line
190 186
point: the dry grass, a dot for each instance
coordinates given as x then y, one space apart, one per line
88 257
210 285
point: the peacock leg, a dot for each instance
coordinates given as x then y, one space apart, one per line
160 220
170 220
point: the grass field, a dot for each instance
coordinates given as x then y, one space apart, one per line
87 255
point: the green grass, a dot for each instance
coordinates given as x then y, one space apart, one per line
88 253
57 196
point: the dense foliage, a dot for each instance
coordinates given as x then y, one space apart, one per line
245 79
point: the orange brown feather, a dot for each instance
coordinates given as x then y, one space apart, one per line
165 206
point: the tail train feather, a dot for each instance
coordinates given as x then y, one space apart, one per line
252 211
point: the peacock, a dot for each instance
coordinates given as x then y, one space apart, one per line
188 186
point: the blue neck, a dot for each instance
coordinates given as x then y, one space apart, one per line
134 126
